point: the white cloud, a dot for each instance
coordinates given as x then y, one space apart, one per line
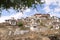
58 2
57 9
4 18
47 9
48 2
54 2
55 14
51 11
27 10
16 15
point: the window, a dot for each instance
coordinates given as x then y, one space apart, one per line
34 26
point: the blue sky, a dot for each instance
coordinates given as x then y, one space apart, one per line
51 7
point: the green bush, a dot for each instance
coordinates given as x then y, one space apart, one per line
20 24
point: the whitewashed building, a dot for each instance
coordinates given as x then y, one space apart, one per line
11 21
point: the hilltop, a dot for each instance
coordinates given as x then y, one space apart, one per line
35 27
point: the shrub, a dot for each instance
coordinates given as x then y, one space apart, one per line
20 24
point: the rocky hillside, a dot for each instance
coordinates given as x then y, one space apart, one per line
31 29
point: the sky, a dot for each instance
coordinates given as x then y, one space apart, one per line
51 7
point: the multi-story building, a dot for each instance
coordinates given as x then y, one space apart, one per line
56 19
34 21
11 21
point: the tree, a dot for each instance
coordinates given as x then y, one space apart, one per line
18 5
21 4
